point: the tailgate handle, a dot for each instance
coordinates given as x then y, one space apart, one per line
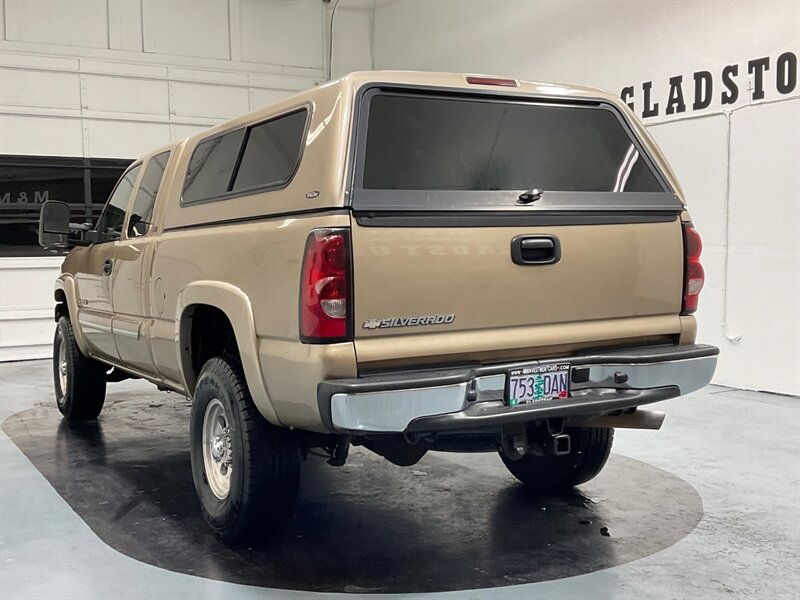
535 250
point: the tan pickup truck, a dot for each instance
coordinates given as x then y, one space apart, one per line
402 261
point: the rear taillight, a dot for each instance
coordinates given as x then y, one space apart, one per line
693 274
325 306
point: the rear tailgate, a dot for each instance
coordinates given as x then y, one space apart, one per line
451 265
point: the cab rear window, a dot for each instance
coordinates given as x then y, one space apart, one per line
450 143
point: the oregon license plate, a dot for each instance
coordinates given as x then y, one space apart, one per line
537 384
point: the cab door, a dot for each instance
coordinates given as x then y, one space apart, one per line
96 267
129 288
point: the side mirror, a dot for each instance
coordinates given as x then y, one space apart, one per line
54 225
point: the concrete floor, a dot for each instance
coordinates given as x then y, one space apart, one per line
739 450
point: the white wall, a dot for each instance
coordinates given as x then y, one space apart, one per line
118 78
739 169
26 298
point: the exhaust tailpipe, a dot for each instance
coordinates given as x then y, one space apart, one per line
639 419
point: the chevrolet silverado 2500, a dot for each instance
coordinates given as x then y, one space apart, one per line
402 261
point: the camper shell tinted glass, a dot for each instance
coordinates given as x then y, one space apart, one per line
271 152
255 158
211 167
425 150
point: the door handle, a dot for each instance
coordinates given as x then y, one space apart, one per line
535 250
108 265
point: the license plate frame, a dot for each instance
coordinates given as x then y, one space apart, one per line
537 383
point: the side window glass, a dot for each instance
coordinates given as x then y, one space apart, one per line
142 208
260 156
211 166
272 152
109 225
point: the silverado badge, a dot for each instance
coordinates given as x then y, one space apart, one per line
409 321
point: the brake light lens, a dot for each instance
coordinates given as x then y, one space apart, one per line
693 274
325 307
480 80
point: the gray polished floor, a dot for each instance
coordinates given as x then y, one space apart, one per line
739 450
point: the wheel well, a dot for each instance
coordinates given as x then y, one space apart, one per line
210 334
62 308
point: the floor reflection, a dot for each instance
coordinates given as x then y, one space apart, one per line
369 526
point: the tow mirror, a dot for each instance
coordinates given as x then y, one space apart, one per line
54 225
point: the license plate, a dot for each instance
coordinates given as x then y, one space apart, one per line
537 384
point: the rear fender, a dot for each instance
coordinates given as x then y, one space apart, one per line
237 307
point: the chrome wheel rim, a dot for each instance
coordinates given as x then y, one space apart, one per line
62 366
217 449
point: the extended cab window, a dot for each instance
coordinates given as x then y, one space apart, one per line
109 225
436 151
142 209
260 156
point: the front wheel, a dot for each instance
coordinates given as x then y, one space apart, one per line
80 381
590 448
246 471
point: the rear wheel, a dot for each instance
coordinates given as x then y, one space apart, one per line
246 471
590 448
80 381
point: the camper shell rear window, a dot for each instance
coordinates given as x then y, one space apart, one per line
423 150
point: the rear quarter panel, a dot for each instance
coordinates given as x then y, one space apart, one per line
261 259
255 243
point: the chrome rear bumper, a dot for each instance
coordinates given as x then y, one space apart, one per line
472 397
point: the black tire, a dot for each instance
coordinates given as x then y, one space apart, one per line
80 381
590 448
264 460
